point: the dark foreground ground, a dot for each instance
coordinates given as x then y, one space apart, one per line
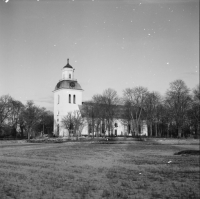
92 170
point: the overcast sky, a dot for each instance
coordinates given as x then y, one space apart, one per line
111 44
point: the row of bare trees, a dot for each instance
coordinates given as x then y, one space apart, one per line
19 120
100 112
174 115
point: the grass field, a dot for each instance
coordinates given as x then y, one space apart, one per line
92 170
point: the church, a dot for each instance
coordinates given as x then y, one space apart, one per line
68 98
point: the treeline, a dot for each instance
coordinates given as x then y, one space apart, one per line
174 115
18 120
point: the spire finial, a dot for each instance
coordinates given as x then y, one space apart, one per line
67 61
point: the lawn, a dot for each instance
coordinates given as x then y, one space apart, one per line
95 170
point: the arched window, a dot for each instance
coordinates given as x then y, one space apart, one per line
129 128
69 76
103 128
115 132
58 99
74 99
89 129
58 128
69 98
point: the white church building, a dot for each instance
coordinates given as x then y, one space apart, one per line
68 98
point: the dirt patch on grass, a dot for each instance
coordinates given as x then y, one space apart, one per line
188 152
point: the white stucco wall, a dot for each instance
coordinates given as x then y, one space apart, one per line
121 129
62 108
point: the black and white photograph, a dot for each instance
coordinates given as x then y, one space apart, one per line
99 99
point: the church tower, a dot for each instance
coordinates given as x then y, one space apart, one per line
67 98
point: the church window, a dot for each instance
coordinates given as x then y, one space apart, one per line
129 129
116 125
69 98
74 99
115 132
69 76
58 128
58 99
90 129
103 128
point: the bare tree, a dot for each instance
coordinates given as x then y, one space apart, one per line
88 113
67 122
100 115
178 102
21 122
45 124
14 118
74 121
193 113
151 105
109 102
134 100
100 112
43 115
32 115
196 93
5 109
48 122
78 122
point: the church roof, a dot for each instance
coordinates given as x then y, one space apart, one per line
67 65
119 110
65 84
